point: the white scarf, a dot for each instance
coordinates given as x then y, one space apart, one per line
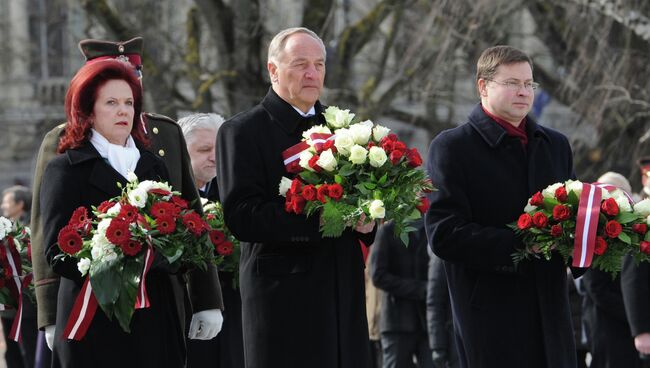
122 158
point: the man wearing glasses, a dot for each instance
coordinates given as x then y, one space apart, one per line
485 170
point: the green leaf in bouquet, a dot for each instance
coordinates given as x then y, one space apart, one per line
336 216
310 177
371 186
572 198
646 237
6 298
338 179
550 203
624 238
626 217
362 188
124 305
347 170
414 215
106 281
383 179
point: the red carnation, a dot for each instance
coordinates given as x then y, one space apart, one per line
540 220
335 191
165 225
601 246
537 199
180 202
610 207
561 212
164 209
613 229
225 248
640 228
561 194
413 157
194 223
118 232
69 240
79 217
396 156
423 206
298 204
128 213
556 230
159 191
309 192
645 247
525 221
104 206
131 247
322 192
217 237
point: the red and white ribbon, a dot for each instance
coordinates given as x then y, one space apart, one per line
586 225
15 332
319 139
142 300
12 262
610 188
291 155
82 313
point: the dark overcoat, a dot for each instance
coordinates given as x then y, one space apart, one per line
168 144
504 316
81 177
635 287
303 302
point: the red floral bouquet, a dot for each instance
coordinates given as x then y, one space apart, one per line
117 247
595 224
350 171
226 247
16 268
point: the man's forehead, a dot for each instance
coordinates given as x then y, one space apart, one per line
515 71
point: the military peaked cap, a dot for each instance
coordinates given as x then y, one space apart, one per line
125 50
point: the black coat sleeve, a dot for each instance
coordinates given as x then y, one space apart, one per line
437 305
635 287
605 293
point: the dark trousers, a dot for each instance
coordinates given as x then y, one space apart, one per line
400 349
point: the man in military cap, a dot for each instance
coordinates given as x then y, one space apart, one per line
167 142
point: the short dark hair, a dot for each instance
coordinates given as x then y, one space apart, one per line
491 58
20 194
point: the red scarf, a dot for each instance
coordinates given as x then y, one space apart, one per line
511 130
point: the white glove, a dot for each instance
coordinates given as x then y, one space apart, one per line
206 324
49 336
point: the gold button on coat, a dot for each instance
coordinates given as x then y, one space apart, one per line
155 130
161 152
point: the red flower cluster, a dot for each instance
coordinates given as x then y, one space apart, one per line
396 150
299 194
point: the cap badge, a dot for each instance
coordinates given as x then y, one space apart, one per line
120 48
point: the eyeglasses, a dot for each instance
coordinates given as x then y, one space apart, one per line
516 86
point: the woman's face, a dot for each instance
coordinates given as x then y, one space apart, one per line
113 111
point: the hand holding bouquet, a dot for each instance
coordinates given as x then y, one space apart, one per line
117 247
596 224
348 170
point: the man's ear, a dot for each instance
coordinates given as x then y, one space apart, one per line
481 85
273 71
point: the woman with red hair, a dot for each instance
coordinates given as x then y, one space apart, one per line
104 141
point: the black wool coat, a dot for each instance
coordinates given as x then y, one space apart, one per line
303 299
635 287
504 316
81 177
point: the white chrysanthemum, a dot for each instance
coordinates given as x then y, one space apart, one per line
377 209
83 265
327 161
343 141
305 156
338 118
575 186
643 207
5 227
131 177
315 129
138 197
361 132
377 156
379 132
114 210
285 184
549 192
358 155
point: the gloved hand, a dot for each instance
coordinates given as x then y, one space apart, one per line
49 336
206 324
439 358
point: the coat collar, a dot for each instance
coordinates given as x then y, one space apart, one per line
102 175
494 134
285 115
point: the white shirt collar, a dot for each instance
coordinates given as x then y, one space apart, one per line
311 111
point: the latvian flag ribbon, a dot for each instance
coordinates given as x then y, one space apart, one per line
291 156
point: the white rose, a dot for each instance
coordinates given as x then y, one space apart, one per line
305 156
377 209
379 132
285 184
338 118
83 265
623 204
529 208
114 210
131 177
343 141
315 129
605 194
549 192
138 197
377 156
643 207
575 186
358 154
361 132
327 160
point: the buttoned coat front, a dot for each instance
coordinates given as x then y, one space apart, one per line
504 316
302 295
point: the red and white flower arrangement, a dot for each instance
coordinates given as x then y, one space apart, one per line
116 248
594 224
347 171
15 271
226 246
